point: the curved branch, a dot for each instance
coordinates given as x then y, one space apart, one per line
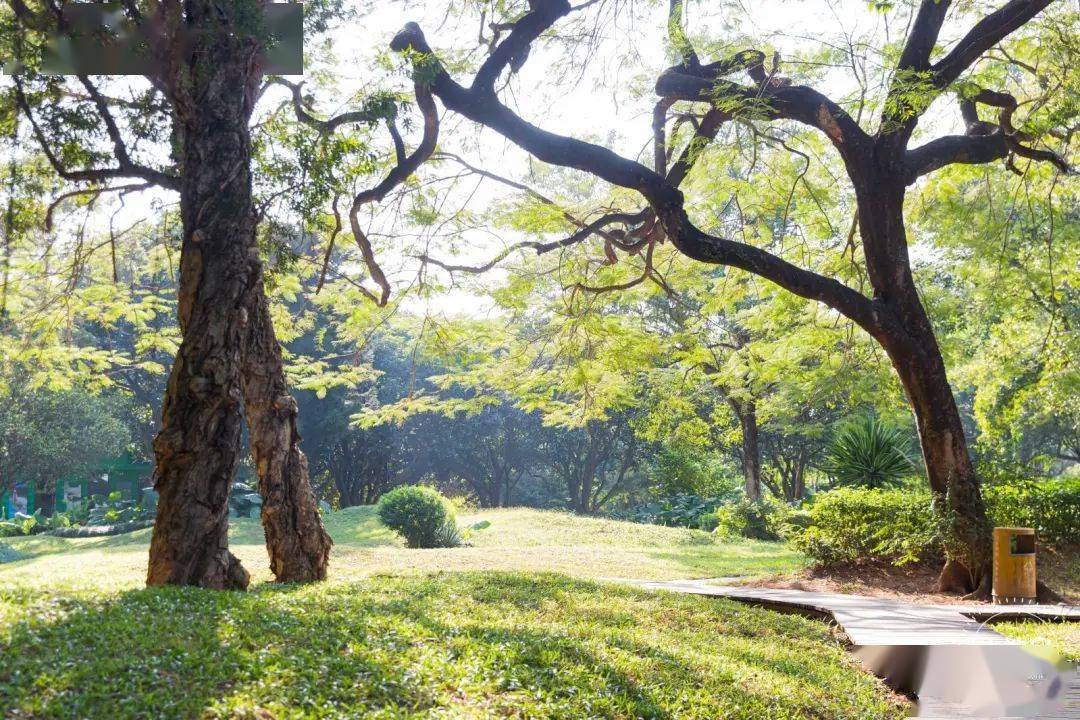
325 127
126 168
666 201
984 35
95 191
705 132
397 175
984 141
515 48
543 199
772 99
596 227
953 149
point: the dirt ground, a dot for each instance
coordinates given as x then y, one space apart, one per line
1060 569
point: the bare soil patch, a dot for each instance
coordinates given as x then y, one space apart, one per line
915 583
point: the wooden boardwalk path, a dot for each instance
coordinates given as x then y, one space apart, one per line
881 621
957 667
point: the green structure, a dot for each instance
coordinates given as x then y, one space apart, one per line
122 474
20 499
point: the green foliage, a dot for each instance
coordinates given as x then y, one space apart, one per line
900 526
1052 507
683 510
448 535
454 645
765 519
913 91
421 515
868 453
111 509
22 524
47 435
851 524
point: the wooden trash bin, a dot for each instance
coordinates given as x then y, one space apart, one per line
1014 565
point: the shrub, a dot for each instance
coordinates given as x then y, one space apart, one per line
104 510
22 524
761 520
448 535
1052 507
421 515
683 510
849 524
899 526
868 453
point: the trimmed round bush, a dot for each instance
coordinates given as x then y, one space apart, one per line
420 514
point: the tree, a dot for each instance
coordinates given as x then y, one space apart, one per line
200 93
597 462
46 436
879 165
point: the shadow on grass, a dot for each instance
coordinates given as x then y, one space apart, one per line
493 644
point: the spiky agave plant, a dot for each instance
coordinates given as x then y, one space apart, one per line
869 453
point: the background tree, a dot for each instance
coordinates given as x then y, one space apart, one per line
47 435
880 167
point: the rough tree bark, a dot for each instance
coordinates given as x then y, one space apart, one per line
913 350
298 545
198 448
229 361
207 63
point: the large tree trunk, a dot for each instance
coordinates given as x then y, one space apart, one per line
298 545
916 356
198 448
957 497
751 448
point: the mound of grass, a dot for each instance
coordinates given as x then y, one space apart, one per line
518 539
466 645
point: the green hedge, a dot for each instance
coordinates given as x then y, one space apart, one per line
1051 507
849 524
899 526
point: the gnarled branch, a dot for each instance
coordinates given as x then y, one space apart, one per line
125 167
397 175
982 143
665 200
984 35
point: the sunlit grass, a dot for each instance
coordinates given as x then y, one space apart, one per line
460 645
1062 637
518 540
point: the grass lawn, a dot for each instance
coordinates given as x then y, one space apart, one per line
518 540
486 631
1062 637
454 645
